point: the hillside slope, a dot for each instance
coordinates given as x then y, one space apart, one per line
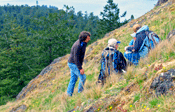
129 92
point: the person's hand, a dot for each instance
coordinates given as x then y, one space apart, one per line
126 48
82 71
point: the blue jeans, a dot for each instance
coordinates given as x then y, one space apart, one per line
75 73
133 57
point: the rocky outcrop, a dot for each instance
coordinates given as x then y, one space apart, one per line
31 86
21 108
160 2
163 84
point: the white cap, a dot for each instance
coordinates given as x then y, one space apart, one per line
112 42
133 34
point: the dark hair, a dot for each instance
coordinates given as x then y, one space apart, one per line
83 35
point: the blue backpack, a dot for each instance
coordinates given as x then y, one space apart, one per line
153 39
107 64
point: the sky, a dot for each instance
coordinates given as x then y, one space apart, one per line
133 7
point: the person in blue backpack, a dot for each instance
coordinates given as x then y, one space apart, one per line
112 60
75 62
139 49
142 44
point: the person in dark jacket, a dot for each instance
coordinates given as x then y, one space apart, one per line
118 60
140 48
75 62
112 61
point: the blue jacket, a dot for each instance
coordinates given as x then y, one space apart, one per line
119 61
131 42
141 42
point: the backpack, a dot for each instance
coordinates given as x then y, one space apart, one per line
107 64
153 39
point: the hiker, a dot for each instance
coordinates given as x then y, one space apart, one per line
75 62
142 44
112 60
139 48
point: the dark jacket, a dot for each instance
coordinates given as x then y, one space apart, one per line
138 42
118 58
77 53
141 42
119 61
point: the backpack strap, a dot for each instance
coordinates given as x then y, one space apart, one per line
151 37
107 60
147 34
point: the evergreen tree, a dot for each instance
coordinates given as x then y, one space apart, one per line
52 35
110 18
132 17
13 57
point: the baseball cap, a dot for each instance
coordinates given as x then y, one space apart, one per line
112 42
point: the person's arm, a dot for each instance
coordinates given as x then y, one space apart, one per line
123 60
131 42
138 42
131 48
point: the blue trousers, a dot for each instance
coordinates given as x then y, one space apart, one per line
133 57
75 73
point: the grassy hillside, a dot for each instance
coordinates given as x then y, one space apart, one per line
120 93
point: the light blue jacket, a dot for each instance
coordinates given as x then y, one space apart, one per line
143 51
141 43
131 42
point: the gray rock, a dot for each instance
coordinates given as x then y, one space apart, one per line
27 89
163 82
56 60
22 108
160 2
45 70
163 88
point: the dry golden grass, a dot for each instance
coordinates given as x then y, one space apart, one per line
146 95
93 93
60 74
163 47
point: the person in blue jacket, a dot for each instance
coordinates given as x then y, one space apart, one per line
140 47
